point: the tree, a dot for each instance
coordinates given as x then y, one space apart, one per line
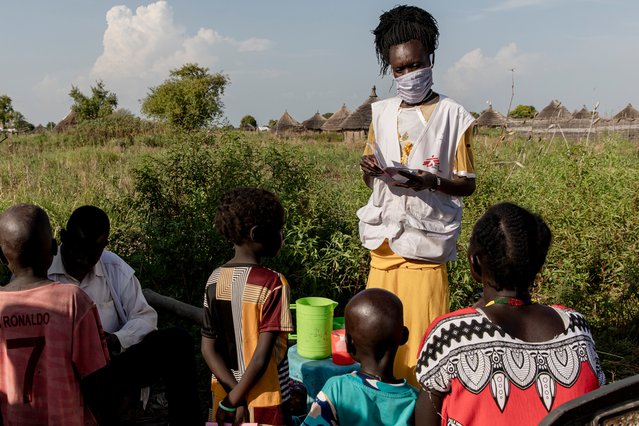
272 123
523 111
20 123
327 115
100 104
248 121
6 109
189 98
12 118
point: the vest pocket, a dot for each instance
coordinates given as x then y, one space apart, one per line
439 214
370 214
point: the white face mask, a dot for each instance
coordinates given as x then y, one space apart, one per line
415 86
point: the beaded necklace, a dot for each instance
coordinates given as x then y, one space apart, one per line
370 376
512 301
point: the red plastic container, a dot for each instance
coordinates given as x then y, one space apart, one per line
338 347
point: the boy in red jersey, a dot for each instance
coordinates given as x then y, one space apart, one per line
50 333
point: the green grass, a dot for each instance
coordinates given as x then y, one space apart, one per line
160 190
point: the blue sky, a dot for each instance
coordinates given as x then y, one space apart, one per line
304 56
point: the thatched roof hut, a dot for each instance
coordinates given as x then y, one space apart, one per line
360 119
286 123
584 113
334 122
314 123
491 118
628 113
67 122
554 111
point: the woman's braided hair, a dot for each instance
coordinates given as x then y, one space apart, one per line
243 208
512 244
401 25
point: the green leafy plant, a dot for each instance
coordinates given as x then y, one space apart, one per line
523 111
189 99
100 104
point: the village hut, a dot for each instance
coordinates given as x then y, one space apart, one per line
584 113
491 118
67 122
314 123
334 122
287 124
555 111
628 113
583 119
355 127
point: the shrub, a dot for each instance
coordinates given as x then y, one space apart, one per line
178 191
119 126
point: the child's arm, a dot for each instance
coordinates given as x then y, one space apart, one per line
217 365
428 408
236 397
254 371
322 412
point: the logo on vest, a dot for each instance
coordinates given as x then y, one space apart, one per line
432 163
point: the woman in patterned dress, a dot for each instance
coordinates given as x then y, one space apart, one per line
506 361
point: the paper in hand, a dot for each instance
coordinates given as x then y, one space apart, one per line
377 153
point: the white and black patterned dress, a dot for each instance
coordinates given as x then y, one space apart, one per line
489 377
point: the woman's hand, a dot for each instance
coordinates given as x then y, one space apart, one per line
418 180
370 167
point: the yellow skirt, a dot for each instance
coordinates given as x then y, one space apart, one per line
423 289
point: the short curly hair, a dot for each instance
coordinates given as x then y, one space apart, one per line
512 243
243 208
401 25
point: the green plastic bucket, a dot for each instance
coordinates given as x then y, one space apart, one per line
314 325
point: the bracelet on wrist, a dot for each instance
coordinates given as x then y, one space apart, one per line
227 409
438 181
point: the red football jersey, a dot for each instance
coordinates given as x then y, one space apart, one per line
50 337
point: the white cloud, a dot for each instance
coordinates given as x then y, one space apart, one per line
51 87
518 4
47 95
254 45
148 42
141 46
476 77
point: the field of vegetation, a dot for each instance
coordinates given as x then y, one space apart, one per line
161 188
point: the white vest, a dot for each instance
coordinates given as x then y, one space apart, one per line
421 225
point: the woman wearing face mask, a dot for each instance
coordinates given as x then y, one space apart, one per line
419 164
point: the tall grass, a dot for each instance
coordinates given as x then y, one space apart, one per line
161 190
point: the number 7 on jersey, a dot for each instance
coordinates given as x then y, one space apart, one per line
37 343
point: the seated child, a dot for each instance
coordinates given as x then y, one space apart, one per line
372 395
246 313
50 333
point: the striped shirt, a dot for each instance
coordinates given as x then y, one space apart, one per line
240 302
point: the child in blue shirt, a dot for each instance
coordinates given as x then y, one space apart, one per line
374 330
